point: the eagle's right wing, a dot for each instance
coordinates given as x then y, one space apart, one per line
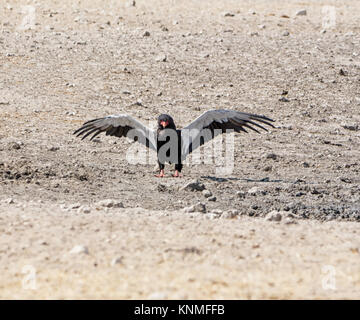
121 125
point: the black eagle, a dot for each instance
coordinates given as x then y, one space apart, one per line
173 145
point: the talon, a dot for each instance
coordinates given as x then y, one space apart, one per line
161 174
177 174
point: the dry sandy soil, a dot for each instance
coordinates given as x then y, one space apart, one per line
65 62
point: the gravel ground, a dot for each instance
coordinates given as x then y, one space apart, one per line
278 226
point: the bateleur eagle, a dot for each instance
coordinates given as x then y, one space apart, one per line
173 145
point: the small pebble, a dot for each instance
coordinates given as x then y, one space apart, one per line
200 207
194 185
161 58
206 193
75 206
302 12
84 209
272 156
79 249
274 216
343 72
131 3
14 146
253 190
229 215
110 203
283 99
117 260
241 194
190 209
351 127
289 220
228 14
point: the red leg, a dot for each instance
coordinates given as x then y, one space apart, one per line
161 174
177 174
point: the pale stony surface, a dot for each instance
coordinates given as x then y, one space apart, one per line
135 253
74 61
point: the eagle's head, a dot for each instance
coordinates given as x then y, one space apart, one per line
166 121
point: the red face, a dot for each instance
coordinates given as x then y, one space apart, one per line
164 123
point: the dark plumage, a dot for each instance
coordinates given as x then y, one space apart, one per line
173 145
164 140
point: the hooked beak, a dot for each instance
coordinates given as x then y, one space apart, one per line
164 123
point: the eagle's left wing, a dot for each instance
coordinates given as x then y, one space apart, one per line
214 122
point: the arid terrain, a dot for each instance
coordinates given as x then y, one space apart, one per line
78 220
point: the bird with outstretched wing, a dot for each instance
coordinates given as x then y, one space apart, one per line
173 145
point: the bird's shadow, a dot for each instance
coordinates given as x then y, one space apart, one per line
220 179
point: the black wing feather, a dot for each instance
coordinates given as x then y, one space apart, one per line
224 120
118 126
